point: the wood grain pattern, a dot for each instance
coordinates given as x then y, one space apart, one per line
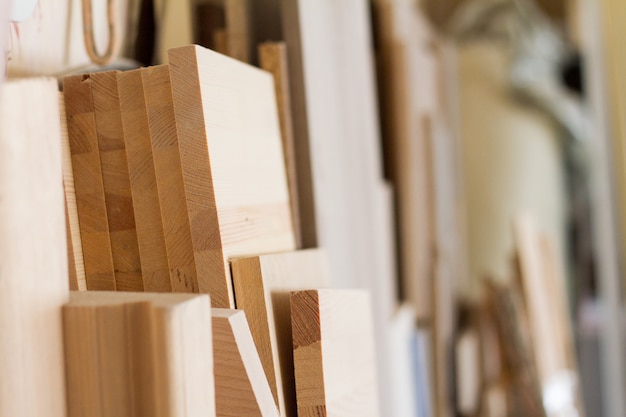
92 212
241 388
334 357
273 58
262 285
139 354
143 184
116 181
33 248
169 178
235 182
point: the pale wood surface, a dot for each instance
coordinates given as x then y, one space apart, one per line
33 248
262 285
273 58
334 357
143 183
235 182
241 388
116 180
169 178
89 188
139 354
76 263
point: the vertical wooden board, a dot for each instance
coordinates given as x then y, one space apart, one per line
232 162
238 35
241 387
262 285
92 212
75 248
273 58
169 178
336 130
115 177
143 183
33 250
334 355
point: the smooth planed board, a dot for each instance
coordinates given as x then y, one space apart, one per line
33 250
232 163
139 354
88 184
169 178
143 184
262 286
116 180
241 388
334 358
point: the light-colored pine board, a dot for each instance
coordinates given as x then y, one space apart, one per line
116 181
468 375
334 357
273 58
89 188
169 177
403 380
232 162
241 388
76 264
262 286
33 250
143 183
139 354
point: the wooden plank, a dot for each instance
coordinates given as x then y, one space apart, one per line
235 183
92 212
76 263
143 183
262 285
241 388
33 250
169 178
139 354
116 180
238 34
273 58
334 355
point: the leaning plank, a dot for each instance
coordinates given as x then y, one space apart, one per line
92 212
33 250
241 388
232 162
169 178
115 177
143 183
334 359
262 285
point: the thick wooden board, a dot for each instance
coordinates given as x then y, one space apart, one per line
89 188
139 354
241 388
262 285
169 178
232 162
33 250
143 183
116 180
334 357
76 264
273 58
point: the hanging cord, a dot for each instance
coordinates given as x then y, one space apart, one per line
88 35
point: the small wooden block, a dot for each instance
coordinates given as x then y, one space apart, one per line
89 188
169 178
241 388
334 359
143 183
262 285
232 163
116 180
33 250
